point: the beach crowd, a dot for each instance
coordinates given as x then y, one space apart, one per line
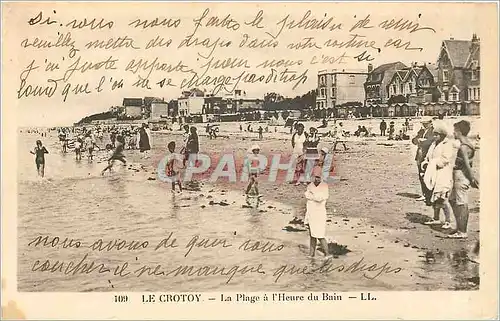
444 162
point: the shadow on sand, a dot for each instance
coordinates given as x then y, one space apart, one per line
409 195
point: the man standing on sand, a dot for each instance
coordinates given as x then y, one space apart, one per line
423 140
260 132
383 127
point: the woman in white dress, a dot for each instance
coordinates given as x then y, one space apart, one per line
317 195
438 175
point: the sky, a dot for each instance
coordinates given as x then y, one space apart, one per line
448 20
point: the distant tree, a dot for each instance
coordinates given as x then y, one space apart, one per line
274 101
101 116
273 98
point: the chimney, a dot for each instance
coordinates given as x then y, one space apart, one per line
475 43
370 68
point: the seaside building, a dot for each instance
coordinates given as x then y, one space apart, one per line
412 87
214 105
427 91
159 109
238 101
377 87
133 107
173 108
459 76
191 102
338 89
404 82
198 104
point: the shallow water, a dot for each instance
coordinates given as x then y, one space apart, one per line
74 201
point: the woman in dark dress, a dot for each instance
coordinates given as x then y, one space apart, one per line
144 143
192 146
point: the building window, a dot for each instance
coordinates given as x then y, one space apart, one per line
410 85
333 91
475 74
445 76
454 96
470 97
352 79
323 93
479 94
401 88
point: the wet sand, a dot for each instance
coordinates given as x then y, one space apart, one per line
379 183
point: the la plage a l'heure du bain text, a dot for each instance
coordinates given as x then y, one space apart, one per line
249 298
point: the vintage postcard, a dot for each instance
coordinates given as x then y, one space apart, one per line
249 160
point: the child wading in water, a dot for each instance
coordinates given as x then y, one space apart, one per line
117 154
78 148
39 153
173 167
253 168
89 145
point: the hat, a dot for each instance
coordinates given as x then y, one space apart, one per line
254 147
317 172
440 127
426 121
325 150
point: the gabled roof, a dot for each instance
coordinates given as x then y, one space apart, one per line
386 71
402 74
137 102
384 67
474 55
458 51
415 70
432 68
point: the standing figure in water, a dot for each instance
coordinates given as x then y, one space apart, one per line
78 148
39 153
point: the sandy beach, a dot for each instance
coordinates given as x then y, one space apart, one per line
373 216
